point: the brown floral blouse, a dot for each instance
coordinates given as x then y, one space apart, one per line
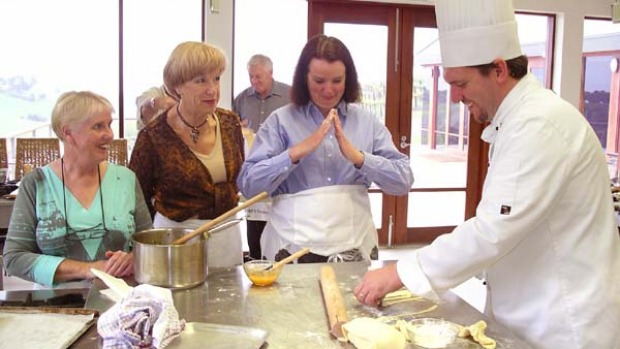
175 182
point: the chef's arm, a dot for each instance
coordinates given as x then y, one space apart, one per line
376 284
519 190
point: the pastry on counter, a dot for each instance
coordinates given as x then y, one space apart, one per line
370 333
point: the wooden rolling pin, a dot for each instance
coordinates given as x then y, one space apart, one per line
217 220
334 303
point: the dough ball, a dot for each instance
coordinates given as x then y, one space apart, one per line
370 333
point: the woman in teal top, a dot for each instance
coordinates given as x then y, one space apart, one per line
77 212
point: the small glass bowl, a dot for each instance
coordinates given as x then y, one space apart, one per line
432 333
255 271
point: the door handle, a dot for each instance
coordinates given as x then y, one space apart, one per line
403 142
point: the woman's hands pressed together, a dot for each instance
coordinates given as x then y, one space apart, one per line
308 145
348 150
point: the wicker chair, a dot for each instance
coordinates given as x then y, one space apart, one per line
4 163
118 152
31 153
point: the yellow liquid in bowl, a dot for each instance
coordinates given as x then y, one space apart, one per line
262 278
255 270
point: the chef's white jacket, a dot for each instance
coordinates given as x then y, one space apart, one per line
544 232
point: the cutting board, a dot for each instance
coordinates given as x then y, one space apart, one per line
54 328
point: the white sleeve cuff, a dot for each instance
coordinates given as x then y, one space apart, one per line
414 279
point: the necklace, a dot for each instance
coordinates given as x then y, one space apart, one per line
64 195
194 132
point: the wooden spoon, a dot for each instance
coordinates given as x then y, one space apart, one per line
288 259
217 220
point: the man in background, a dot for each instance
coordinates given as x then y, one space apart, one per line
254 105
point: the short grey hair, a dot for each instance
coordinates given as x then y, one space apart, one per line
75 107
261 60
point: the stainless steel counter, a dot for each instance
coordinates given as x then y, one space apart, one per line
292 309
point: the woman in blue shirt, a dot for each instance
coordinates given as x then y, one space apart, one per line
318 156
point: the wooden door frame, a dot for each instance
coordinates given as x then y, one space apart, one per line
368 13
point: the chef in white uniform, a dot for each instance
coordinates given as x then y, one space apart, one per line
317 157
544 234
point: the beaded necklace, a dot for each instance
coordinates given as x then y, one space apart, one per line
195 130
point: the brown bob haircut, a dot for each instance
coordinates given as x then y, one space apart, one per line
330 49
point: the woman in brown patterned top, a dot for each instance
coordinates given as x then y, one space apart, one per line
188 159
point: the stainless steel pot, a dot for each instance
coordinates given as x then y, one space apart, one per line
159 262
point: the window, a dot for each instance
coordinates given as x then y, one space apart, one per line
148 40
77 48
535 38
441 127
280 40
69 52
601 81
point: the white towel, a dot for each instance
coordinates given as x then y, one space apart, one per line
144 318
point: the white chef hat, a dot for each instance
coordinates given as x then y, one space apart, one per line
473 32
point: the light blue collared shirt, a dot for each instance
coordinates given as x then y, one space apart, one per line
269 168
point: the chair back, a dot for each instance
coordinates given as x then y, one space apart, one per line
31 153
4 163
118 152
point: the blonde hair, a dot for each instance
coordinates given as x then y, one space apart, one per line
190 59
75 107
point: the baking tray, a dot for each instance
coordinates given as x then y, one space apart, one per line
202 335
54 328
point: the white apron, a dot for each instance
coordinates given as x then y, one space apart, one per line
328 220
223 248
259 211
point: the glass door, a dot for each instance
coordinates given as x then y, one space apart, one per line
368 31
396 52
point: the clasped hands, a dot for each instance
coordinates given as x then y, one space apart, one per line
308 145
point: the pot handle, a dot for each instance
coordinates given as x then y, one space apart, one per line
221 227
219 219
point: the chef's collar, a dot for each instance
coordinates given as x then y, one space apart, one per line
508 106
490 132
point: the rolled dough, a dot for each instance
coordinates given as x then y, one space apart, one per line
370 333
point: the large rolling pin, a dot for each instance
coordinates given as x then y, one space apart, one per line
334 303
217 220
